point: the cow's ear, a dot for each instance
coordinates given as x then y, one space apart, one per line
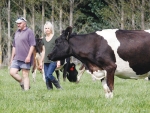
68 32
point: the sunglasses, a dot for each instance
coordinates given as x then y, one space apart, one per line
21 18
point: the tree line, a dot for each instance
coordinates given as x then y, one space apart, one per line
83 15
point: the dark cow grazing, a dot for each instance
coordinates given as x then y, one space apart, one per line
65 65
124 53
69 71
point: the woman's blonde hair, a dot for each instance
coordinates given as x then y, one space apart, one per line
49 24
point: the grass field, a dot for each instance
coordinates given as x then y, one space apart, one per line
130 96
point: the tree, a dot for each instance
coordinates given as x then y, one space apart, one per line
60 14
9 38
0 34
88 17
43 14
71 12
83 15
142 15
60 17
133 14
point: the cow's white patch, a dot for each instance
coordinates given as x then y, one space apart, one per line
123 70
108 93
97 75
147 31
80 73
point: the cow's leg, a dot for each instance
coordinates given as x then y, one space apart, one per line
148 77
81 71
93 77
57 74
65 72
108 93
34 74
110 76
43 75
34 65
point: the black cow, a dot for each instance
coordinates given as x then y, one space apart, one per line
124 53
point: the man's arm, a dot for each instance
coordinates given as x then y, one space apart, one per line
12 54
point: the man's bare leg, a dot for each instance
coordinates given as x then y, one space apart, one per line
16 76
26 81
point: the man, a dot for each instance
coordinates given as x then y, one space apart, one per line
22 58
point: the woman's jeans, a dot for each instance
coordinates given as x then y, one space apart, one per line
49 68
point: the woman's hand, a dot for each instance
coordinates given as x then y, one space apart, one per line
58 64
40 67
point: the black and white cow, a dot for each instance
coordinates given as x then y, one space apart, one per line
124 53
65 67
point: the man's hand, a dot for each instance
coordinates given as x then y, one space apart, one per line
27 60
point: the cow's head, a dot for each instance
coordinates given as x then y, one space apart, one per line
72 73
39 44
62 48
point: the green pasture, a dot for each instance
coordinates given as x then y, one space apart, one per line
130 96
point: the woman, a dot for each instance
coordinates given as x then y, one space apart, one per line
49 66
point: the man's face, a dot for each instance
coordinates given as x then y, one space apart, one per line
21 25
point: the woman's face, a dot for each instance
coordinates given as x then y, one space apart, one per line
47 29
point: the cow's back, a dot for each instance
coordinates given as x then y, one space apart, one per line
130 48
134 48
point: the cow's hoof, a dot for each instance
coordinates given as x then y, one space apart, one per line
147 78
77 81
109 95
